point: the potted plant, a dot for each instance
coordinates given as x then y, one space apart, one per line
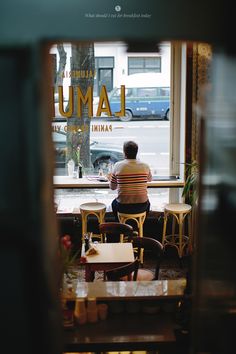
190 192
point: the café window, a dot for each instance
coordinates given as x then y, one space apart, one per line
94 137
144 65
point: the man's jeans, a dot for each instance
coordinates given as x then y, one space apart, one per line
129 208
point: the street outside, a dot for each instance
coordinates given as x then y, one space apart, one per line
153 138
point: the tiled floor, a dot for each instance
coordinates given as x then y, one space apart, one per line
171 268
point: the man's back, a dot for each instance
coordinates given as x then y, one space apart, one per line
130 177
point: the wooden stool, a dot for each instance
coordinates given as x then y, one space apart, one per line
179 212
92 208
139 218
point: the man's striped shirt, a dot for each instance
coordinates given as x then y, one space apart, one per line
130 177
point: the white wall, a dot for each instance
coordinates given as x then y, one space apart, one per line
118 51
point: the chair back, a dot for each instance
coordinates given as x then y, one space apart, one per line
149 244
130 271
115 231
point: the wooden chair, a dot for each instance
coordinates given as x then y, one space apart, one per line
127 272
155 250
115 231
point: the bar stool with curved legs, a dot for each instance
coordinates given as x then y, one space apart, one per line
178 212
92 208
139 218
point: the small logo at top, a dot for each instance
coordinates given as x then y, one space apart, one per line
118 8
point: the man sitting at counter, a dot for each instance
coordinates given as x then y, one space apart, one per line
130 177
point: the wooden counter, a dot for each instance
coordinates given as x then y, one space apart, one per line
127 329
86 182
124 332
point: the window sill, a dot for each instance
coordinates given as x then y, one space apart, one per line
69 182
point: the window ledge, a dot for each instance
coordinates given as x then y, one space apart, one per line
85 182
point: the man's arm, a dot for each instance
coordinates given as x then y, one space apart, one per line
113 181
149 176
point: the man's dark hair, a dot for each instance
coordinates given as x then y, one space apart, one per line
130 149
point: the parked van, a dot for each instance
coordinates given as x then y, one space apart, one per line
147 95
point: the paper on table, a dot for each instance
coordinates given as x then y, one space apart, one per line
92 251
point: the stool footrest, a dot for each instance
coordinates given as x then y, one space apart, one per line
169 241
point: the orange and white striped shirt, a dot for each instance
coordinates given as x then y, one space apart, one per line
130 177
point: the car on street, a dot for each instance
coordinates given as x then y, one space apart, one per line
147 96
102 154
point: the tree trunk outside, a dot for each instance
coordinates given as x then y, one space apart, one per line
62 64
78 135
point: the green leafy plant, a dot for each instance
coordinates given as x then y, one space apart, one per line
190 187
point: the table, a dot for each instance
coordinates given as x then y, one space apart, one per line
129 290
111 255
86 182
122 333
129 331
